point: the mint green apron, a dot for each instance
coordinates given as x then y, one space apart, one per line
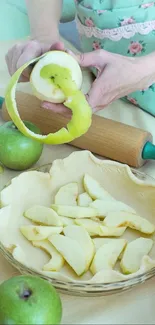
123 27
119 26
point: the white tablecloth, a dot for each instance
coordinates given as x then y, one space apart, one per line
133 307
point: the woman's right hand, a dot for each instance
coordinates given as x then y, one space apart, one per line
21 53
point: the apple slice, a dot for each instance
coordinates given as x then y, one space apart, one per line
56 262
98 242
39 232
133 254
74 212
133 221
84 200
43 216
82 237
5 196
71 251
67 195
19 255
95 228
105 206
110 276
94 189
107 256
67 221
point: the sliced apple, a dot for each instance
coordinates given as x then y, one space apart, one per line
94 189
82 237
74 212
105 206
133 254
107 256
67 221
43 216
19 255
98 242
84 200
5 196
71 251
67 195
95 228
110 276
56 262
39 232
133 221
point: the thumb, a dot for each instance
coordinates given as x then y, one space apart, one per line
96 93
96 59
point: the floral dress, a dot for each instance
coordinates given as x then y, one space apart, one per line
123 27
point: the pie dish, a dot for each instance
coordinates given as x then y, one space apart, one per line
40 186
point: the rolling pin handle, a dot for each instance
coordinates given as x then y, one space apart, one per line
1 101
148 152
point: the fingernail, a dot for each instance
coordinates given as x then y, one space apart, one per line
70 52
46 105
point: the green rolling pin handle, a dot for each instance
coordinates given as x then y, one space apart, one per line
148 151
1 101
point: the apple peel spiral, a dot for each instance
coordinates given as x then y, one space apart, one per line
57 78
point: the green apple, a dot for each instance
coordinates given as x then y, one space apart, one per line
17 151
29 300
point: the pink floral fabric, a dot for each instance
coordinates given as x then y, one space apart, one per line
129 31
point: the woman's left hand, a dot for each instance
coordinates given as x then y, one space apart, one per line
117 77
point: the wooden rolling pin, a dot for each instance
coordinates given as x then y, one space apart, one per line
105 137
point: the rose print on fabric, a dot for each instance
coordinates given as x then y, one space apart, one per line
101 12
132 100
97 45
89 22
147 5
136 47
126 21
88 6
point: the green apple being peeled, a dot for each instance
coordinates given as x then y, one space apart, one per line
56 77
17 151
29 300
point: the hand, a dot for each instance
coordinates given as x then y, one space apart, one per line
117 77
21 53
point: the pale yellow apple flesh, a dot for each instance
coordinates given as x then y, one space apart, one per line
107 255
133 221
67 221
43 215
94 189
74 212
105 206
67 195
111 276
71 251
133 254
31 232
84 200
56 262
95 228
82 237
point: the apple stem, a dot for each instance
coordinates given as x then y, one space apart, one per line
26 294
